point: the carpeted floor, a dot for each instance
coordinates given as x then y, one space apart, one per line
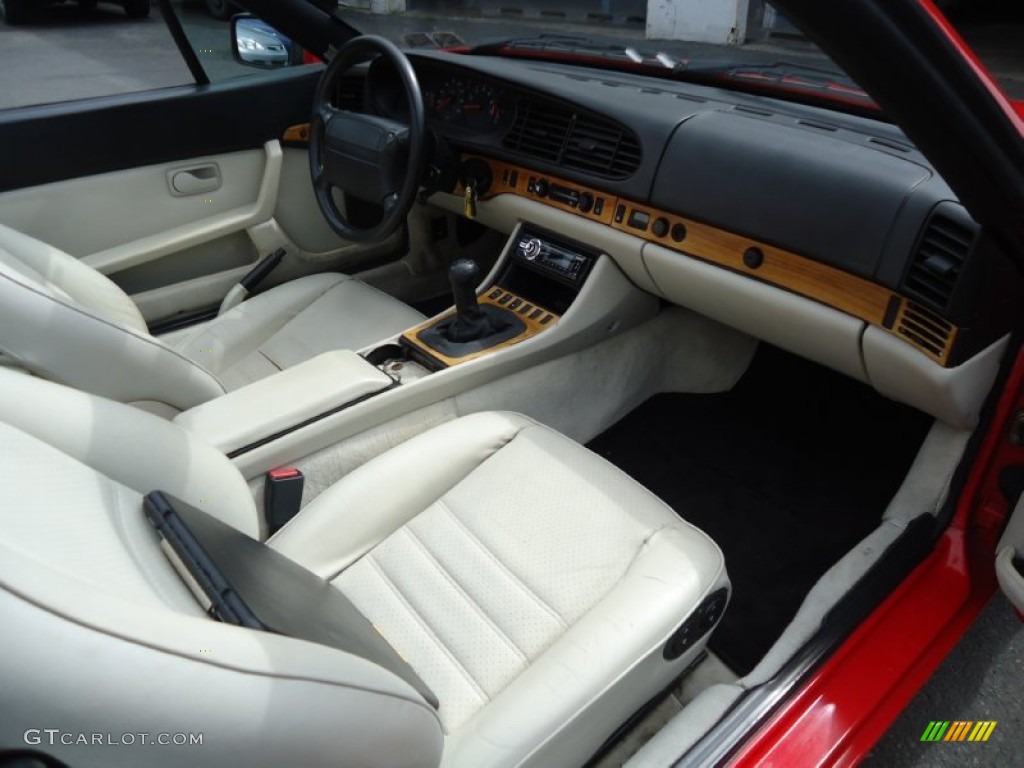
786 472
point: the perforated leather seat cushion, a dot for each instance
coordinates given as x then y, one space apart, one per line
530 584
511 563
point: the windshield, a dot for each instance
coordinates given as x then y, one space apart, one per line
762 51
617 35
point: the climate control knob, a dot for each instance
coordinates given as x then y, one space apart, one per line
660 227
585 202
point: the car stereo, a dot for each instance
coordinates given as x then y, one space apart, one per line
564 262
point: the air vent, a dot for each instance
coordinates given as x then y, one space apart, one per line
889 144
349 93
817 125
574 140
925 329
938 259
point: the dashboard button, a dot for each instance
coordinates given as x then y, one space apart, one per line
753 257
599 206
620 214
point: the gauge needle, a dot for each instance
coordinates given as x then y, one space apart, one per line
444 102
471 107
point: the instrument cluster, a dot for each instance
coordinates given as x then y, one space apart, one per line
467 103
454 102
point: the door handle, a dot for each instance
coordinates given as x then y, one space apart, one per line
194 180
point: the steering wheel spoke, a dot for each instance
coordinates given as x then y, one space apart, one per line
368 156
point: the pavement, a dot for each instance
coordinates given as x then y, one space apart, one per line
982 679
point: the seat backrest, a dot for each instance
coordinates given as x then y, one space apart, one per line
101 637
65 321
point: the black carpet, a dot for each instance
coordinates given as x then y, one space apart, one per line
787 472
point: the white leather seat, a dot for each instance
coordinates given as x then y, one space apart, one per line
530 584
66 321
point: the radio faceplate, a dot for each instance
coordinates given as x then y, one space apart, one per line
559 260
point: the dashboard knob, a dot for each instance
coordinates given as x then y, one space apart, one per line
585 202
540 189
679 233
531 248
660 227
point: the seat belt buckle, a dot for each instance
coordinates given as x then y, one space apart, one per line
282 496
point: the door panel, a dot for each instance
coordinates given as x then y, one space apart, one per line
118 220
1010 558
174 194
40 145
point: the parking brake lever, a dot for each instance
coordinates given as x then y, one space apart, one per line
240 291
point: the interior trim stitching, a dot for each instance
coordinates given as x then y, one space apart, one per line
505 568
421 620
490 621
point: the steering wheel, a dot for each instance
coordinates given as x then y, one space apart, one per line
373 158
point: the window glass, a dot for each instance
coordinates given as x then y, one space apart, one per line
56 53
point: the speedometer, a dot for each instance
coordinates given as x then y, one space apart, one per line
468 104
445 103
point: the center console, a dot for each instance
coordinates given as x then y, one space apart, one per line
535 283
547 296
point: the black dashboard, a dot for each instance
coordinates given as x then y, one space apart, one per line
847 204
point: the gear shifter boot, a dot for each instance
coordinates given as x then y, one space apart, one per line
457 336
473 327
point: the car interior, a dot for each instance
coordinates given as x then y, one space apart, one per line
604 393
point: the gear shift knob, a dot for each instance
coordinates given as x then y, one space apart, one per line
464 276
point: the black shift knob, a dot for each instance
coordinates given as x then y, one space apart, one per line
464 276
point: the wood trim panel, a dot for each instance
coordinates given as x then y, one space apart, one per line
925 330
856 296
841 290
296 134
527 311
515 179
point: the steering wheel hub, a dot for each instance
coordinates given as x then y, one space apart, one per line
373 158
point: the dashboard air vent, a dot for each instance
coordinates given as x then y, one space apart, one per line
938 259
574 139
925 329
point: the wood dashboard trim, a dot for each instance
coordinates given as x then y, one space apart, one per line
296 134
856 296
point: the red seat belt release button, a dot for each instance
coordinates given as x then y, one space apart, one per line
282 496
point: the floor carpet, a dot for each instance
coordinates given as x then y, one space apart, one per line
787 472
